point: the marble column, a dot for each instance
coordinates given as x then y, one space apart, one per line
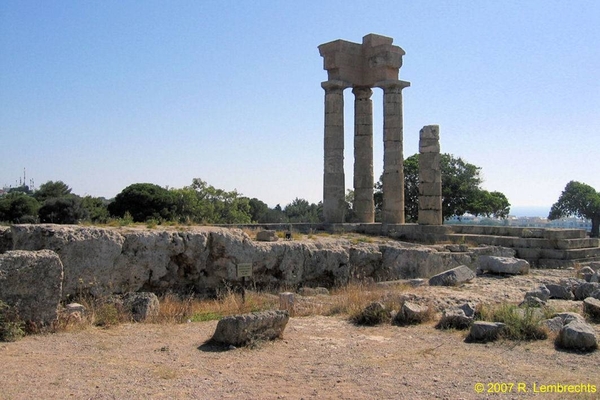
334 189
364 206
393 159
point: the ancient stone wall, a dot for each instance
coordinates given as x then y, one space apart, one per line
203 259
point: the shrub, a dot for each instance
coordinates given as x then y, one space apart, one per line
11 326
521 323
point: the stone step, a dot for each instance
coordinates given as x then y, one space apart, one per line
519 232
536 243
571 254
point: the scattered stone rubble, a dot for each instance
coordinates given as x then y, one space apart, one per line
243 329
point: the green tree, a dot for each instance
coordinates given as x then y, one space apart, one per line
17 207
62 210
301 210
490 204
580 200
461 192
96 208
51 189
258 210
217 206
144 201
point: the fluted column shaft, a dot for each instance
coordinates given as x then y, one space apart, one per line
334 189
364 207
393 159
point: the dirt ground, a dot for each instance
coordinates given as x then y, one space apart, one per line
318 358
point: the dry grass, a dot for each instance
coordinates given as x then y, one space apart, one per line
348 300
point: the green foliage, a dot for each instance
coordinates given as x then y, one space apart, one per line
11 326
62 210
461 192
106 315
374 314
521 323
217 206
580 200
259 210
52 189
96 209
144 201
301 210
18 207
206 316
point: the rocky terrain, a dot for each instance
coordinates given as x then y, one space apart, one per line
318 357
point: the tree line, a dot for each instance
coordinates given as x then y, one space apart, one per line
201 203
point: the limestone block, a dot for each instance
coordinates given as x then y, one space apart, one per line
239 330
455 318
430 203
429 146
334 120
559 291
430 132
430 176
502 265
31 281
553 324
585 290
267 236
411 313
540 292
141 305
577 335
452 277
430 217
482 331
591 307
430 189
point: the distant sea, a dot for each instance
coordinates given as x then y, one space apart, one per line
530 211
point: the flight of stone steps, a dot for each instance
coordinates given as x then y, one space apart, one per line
543 248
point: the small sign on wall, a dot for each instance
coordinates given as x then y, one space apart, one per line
244 270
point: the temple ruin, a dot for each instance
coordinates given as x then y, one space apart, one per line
374 63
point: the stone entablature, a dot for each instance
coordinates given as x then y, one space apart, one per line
374 63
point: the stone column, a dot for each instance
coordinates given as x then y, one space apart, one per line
364 206
430 176
393 159
334 188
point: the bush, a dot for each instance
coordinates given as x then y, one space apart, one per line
521 323
11 326
374 314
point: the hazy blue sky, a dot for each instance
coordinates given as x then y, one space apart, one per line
104 94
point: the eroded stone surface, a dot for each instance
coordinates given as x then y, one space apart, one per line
31 281
239 330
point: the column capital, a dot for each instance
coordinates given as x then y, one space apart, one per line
392 85
362 92
334 85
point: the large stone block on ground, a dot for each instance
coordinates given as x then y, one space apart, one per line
452 277
585 290
482 331
577 335
141 305
558 291
267 236
457 317
239 330
31 281
502 265
591 307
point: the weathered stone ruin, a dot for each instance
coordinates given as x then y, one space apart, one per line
374 63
